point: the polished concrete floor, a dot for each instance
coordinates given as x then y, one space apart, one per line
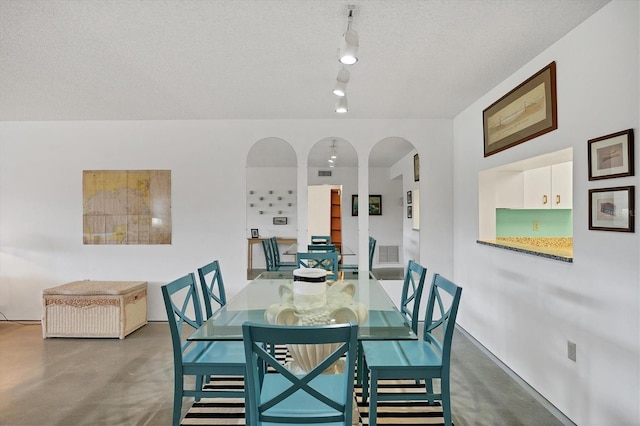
130 382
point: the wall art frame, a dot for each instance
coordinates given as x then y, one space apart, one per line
526 112
611 156
416 168
409 198
409 212
255 233
279 220
375 205
612 209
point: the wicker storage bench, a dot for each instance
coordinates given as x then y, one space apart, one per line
94 309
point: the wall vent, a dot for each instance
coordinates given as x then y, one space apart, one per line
388 254
324 173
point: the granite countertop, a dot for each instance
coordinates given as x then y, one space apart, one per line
557 248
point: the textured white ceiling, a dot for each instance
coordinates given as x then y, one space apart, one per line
223 59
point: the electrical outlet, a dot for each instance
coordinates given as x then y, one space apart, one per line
536 225
571 350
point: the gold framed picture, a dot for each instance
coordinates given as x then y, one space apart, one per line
526 112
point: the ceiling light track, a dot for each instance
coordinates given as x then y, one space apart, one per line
347 55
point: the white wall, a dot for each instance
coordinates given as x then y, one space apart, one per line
41 167
525 308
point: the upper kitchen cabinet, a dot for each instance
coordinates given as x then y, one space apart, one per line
549 187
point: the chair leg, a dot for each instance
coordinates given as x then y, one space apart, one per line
446 401
365 383
199 384
177 399
373 402
360 364
428 384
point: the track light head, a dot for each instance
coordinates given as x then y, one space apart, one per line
349 50
342 107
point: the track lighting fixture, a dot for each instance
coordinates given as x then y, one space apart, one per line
342 107
347 55
341 82
349 51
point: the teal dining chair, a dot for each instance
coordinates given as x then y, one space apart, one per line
279 264
196 358
324 260
281 396
428 358
268 256
212 286
372 249
412 287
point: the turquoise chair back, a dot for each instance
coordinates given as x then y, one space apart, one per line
312 397
442 313
372 249
212 286
324 260
269 256
275 249
321 239
412 292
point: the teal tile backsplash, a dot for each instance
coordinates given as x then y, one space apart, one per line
519 223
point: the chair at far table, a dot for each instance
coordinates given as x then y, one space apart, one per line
285 397
191 358
352 267
321 239
268 256
323 260
280 265
427 359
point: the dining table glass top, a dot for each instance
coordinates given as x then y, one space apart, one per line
377 316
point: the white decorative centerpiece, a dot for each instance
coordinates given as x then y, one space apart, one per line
309 289
309 300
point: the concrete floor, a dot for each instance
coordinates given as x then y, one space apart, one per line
130 382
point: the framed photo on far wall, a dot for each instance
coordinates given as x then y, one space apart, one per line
375 205
279 220
416 168
612 209
409 212
611 156
255 233
409 197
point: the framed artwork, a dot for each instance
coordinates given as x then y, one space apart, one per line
408 197
416 168
526 112
409 212
375 205
255 233
611 156
279 220
612 209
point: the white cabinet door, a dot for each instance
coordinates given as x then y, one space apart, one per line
537 188
562 185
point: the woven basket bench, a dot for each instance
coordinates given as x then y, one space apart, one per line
94 309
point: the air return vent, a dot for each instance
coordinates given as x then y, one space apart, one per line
324 173
388 254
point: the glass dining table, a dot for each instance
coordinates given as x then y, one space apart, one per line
380 321
377 316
